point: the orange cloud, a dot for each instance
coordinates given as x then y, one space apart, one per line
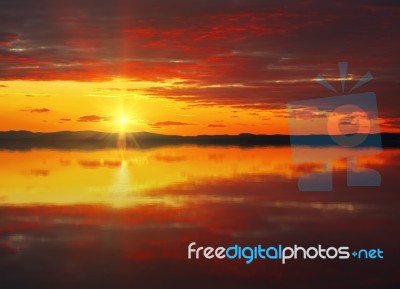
216 125
93 118
39 110
169 123
39 172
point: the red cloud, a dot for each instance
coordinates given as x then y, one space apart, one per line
6 38
216 125
258 53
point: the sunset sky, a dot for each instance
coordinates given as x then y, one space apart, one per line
188 67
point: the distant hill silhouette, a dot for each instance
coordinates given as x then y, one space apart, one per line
22 140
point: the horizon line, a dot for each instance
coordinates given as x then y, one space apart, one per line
222 134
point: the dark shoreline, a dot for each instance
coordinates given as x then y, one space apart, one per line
87 140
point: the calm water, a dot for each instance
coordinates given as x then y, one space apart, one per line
112 219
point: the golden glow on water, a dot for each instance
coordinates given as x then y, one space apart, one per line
124 177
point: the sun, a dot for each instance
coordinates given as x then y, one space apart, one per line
123 120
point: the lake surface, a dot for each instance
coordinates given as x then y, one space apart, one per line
124 219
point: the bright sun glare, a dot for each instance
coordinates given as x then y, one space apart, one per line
123 120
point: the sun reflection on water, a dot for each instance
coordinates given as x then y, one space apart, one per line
122 177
